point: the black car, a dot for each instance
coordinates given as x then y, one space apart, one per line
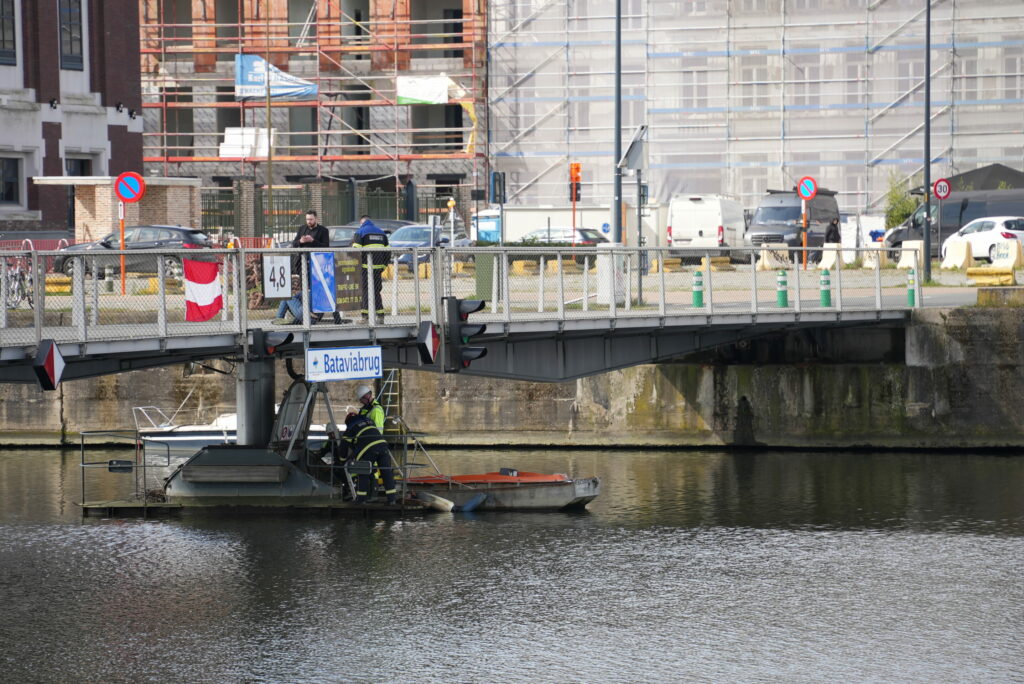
137 240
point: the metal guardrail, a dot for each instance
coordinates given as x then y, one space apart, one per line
520 284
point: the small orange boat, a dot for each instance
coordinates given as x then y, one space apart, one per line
510 490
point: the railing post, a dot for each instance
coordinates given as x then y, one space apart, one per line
3 292
304 269
878 283
796 293
161 311
540 290
561 288
753 284
586 283
78 301
241 292
39 294
710 295
506 292
661 281
839 281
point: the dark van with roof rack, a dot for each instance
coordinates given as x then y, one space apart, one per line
777 219
959 209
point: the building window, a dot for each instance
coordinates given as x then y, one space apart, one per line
8 33
10 180
71 35
1013 80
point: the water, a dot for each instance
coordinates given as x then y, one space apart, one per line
706 567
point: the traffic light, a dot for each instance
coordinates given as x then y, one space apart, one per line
460 332
264 344
575 176
498 195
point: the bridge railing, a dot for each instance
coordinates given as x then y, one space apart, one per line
519 284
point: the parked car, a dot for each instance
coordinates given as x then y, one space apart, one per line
777 219
341 236
138 240
698 221
959 209
983 234
421 235
584 237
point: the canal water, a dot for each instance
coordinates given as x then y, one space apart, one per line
691 566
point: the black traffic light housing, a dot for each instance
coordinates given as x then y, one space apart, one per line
264 344
459 354
575 194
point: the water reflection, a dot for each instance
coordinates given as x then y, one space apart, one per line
695 566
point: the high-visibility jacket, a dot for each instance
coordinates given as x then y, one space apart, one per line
375 412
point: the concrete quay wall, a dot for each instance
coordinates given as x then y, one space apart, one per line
953 378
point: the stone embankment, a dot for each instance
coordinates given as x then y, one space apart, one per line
953 378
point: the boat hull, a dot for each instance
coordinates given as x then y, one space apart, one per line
514 496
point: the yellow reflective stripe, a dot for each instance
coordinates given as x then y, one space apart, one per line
371 444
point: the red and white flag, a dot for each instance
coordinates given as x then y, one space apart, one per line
202 290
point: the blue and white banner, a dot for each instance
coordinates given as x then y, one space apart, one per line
343 363
321 282
250 81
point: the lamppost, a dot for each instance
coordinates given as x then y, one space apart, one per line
927 275
617 155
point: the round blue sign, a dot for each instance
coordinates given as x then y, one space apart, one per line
605 228
807 188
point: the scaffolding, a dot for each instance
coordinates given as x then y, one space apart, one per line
744 95
354 51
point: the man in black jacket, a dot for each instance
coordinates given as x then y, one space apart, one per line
365 443
311 236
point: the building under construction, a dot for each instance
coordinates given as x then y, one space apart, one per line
739 95
355 52
744 95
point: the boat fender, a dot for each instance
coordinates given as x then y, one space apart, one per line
436 502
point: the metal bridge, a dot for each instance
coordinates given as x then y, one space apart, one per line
552 314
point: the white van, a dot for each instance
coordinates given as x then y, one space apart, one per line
705 221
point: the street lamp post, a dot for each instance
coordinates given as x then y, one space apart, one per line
927 274
617 189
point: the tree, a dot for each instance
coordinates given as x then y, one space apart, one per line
898 202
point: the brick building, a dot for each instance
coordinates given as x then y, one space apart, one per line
70 103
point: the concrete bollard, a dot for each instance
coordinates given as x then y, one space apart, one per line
826 289
911 288
108 278
698 289
782 291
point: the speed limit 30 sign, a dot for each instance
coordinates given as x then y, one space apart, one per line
941 188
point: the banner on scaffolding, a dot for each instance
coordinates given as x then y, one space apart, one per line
250 81
436 90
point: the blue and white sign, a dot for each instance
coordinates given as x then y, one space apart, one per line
321 282
343 363
251 79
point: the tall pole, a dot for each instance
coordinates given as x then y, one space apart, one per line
269 222
927 140
617 190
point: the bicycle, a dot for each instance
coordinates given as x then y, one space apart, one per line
19 287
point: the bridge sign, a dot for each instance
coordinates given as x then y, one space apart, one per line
129 187
807 188
49 365
941 189
343 363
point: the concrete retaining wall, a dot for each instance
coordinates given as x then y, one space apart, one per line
961 385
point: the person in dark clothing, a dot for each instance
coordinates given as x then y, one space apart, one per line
832 232
310 236
369 236
365 443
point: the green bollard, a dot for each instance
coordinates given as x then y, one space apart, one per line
911 288
826 289
698 289
782 291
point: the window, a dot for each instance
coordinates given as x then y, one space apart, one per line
8 33
694 91
856 77
1013 80
71 35
10 180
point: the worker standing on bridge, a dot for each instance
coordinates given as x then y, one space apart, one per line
371 408
369 236
367 444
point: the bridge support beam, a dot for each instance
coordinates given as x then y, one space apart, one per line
255 401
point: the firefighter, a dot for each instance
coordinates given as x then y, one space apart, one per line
370 237
367 444
370 408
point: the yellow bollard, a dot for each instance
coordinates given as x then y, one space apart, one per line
424 270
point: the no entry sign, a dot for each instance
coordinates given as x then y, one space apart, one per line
807 188
129 187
